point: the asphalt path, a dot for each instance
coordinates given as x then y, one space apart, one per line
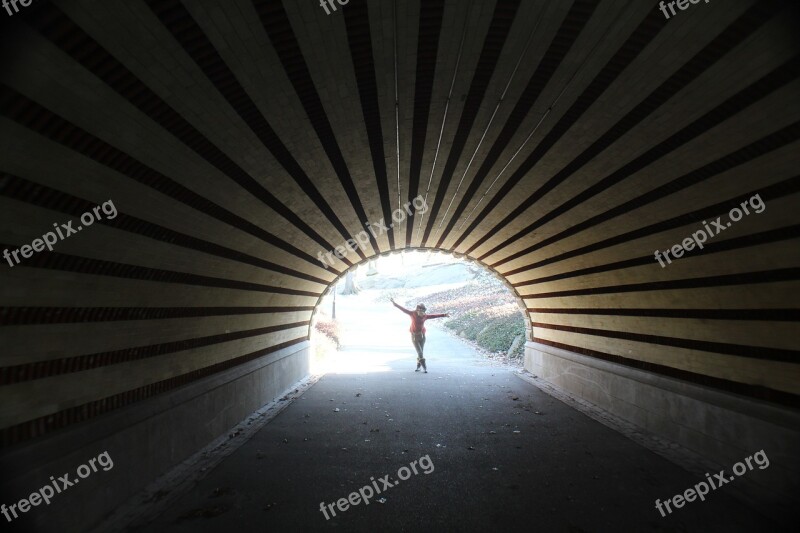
492 453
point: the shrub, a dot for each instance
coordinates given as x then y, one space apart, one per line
329 328
459 323
499 334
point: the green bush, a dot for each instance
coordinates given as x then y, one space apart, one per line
474 329
460 323
499 334
492 334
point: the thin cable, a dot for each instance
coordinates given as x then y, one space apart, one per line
446 107
528 138
486 129
547 112
396 109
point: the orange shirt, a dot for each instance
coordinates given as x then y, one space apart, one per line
417 322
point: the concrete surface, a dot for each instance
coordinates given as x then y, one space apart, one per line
505 455
722 428
144 440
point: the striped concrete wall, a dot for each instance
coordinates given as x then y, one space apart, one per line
558 143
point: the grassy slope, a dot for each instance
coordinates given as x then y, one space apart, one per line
482 311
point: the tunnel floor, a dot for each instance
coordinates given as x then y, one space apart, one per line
502 454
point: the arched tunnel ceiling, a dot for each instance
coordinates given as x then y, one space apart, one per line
558 143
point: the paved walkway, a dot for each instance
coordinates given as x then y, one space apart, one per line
501 454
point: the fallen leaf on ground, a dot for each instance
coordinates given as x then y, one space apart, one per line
204 512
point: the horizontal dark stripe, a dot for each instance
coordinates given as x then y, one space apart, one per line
767 315
769 193
359 39
58 28
36 117
503 17
636 43
758 392
730 38
769 143
571 27
80 363
738 243
752 352
99 267
766 276
66 417
43 196
430 27
26 316
199 48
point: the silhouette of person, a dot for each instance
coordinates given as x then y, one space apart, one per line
417 330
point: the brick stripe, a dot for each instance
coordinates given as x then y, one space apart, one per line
10 375
753 391
66 417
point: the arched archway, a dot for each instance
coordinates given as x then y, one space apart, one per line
512 290
559 143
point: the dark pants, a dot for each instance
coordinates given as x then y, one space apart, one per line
418 340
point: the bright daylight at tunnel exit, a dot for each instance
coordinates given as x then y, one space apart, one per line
399 265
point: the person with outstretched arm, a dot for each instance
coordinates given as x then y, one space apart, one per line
417 329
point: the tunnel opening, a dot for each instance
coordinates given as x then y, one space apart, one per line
485 311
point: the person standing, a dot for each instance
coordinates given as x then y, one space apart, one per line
417 329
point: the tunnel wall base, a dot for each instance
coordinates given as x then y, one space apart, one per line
722 428
144 441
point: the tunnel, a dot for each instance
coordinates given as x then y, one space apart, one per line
182 181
